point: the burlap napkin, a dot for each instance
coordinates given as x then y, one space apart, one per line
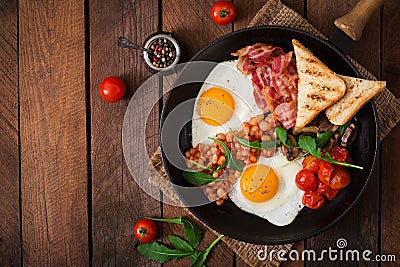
276 13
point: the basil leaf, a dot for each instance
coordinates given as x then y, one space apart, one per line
323 138
203 255
255 144
161 253
179 243
200 178
232 163
192 233
343 127
281 134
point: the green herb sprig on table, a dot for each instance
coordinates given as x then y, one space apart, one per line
182 248
313 146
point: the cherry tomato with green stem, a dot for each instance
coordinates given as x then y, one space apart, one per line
145 230
223 12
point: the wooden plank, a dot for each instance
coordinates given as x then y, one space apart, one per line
53 133
390 167
10 245
193 32
360 227
117 201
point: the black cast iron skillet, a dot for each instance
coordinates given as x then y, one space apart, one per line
228 219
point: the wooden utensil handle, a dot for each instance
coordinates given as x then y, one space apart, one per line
353 23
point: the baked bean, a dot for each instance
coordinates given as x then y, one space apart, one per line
221 160
187 154
219 202
221 136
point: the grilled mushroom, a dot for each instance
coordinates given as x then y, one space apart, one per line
333 141
308 130
290 153
349 135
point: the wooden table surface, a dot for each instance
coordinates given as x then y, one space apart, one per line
66 195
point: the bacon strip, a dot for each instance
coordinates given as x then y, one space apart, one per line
274 77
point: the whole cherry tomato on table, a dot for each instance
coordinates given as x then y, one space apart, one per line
112 89
306 180
223 12
313 200
145 230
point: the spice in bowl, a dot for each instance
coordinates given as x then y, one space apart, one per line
162 52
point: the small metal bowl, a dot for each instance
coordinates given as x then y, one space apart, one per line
167 39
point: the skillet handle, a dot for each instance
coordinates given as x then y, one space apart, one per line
353 23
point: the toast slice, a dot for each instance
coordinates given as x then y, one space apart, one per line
358 92
318 86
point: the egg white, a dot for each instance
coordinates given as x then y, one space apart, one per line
225 75
282 208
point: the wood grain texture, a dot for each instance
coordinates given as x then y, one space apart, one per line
390 214
194 31
192 25
117 201
53 133
10 242
360 226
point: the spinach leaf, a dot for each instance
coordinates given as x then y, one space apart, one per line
256 145
182 245
203 255
167 220
202 166
155 251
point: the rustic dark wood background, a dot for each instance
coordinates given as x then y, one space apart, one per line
66 195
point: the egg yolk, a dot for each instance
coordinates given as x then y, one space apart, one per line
215 106
259 183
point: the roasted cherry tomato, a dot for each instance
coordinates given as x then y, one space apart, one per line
145 230
112 89
223 12
325 171
339 153
313 200
340 178
311 163
306 180
332 193
323 188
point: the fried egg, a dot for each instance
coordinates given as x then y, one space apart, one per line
225 100
267 189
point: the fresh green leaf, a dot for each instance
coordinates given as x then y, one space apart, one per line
282 136
202 166
323 138
328 158
200 178
179 243
232 163
161 253
192 233
178 220
308 143
256 145
203 255
343 127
